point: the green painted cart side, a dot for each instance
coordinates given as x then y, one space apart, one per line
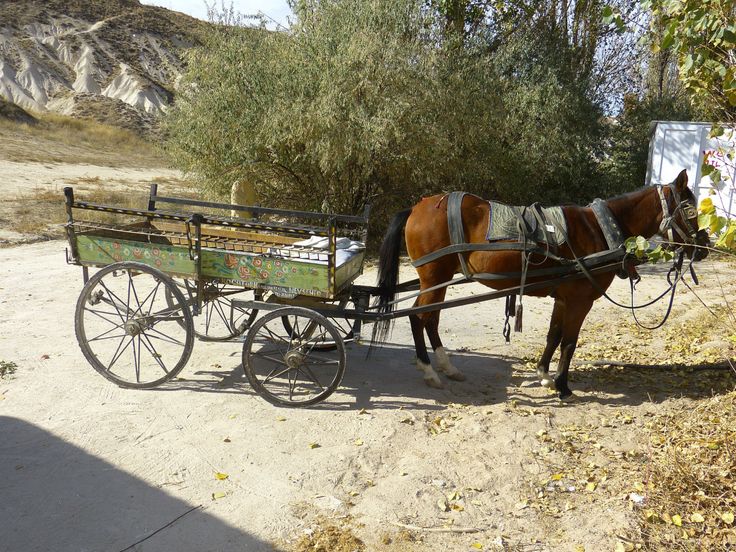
261 253
284 276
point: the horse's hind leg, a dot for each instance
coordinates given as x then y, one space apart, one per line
443 361
417 329
554 336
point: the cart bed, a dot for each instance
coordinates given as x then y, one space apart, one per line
254 254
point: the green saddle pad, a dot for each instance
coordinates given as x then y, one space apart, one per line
504 224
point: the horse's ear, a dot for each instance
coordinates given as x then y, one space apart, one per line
681 181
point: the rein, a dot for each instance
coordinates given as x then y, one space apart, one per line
677 269
569 267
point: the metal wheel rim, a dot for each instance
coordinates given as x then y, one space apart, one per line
128 331
286 368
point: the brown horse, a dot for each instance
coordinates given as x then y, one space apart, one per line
666 210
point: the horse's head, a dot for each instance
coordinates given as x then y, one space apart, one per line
679 219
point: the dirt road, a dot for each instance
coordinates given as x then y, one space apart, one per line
494 461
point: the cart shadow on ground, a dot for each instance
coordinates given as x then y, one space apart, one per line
57 496
387 378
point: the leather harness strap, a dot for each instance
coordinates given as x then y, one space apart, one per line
455 226
669 222
610 228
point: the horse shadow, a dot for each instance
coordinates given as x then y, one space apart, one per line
386 378
633 386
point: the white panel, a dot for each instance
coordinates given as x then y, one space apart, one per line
675 146
679 151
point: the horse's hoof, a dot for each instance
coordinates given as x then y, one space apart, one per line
434 382
456 376
547 382
567 397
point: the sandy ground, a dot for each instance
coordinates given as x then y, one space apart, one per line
25 178
85 465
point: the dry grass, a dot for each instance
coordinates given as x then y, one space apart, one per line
60 139
685 465
691 493
7 368
26 219
327 536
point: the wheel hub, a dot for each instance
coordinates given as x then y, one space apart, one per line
135 326
294 359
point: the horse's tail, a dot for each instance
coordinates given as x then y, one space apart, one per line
388 273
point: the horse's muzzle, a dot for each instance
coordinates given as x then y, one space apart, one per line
700 251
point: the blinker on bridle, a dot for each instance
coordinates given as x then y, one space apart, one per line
669 223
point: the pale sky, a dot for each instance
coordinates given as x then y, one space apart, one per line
277 10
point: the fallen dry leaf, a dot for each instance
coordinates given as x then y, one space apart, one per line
221 476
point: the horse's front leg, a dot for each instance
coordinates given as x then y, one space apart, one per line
554 336
575 313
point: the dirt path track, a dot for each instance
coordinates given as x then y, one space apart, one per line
85 465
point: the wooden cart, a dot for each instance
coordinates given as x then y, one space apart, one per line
168 276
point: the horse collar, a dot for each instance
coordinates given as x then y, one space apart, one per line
607 222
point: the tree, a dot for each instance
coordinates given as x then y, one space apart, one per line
702 33
374 102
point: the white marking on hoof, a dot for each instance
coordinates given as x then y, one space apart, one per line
446 367
548 383
430 376
434 382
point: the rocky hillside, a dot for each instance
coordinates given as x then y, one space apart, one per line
112 60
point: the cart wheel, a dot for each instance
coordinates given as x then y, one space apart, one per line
287 368
344 326
127 328
221 318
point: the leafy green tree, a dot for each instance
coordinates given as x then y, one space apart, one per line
702 33
367 101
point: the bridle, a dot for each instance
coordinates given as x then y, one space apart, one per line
669 224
